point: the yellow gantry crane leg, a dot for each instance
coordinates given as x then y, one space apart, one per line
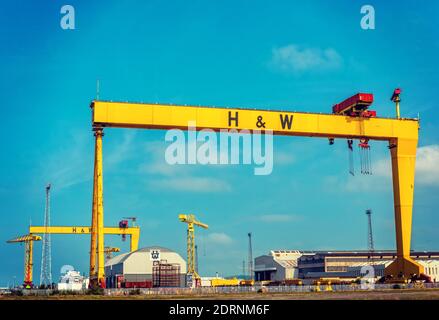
97 215
94 224
403 173
400 133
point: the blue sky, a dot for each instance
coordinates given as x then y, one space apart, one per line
223 53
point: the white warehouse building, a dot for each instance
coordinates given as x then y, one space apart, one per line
146 268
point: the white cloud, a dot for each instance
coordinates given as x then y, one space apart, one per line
219 238
161 168
295 59
157 164
73 164
177 177
382 168
427 166
278 217
357 183
122 151
192 184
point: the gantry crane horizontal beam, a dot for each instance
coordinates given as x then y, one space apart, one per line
401 134
157 116
133 232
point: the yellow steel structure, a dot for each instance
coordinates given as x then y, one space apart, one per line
221 282
133 232
401 134
28 256
97 236
191 221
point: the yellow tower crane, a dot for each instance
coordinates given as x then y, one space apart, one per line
108 252
191 222
28 256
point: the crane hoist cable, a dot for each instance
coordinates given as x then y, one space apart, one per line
351 156
365 158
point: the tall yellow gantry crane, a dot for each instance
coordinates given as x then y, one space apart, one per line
400 133
28 256
191 221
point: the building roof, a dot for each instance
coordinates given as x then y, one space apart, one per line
355 252
376 253
287 263
124 256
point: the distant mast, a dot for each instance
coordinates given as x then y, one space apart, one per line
46 256
97 89
250 256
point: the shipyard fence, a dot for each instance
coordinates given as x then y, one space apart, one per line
224 290
264 289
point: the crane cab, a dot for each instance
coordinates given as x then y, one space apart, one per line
355 106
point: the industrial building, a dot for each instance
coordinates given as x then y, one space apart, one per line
146 268
281 265
278 265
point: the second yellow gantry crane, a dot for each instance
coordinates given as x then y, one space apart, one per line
191 221
132 232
